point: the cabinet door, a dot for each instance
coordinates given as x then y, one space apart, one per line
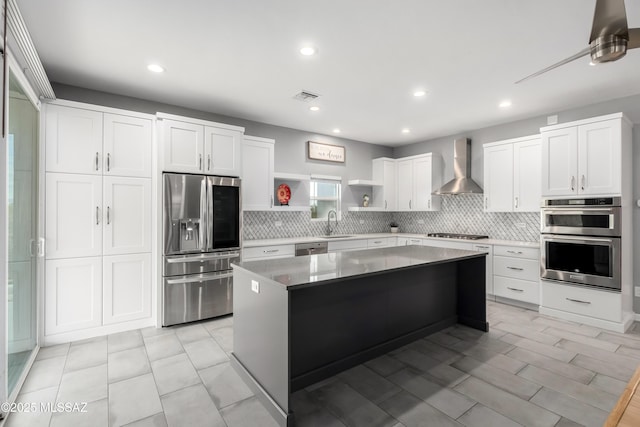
223 149
126 287
257 175
599 158
127 146
73 140
422 184
498 178
405 185
183 147
127 215
384 171
73 215
73 294
560 162
526 176
488 249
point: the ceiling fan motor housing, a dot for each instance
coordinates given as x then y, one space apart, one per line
608 48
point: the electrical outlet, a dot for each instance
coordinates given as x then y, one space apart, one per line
521 225
421 221
255 286
278 223
637 291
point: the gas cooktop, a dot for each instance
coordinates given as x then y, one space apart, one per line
458 236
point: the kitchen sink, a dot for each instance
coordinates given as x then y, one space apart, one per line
336 236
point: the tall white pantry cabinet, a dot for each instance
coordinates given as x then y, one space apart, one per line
98 220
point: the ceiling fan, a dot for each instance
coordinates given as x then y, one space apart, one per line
610 36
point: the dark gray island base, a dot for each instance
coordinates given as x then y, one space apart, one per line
317 315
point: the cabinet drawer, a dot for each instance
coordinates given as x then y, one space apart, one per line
517 252
378 243
279 251
523 269
587 302
343 245
521 290
447 244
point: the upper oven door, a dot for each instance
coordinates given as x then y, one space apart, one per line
224 213
583 222
591 261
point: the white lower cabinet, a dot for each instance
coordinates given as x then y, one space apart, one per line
516 273
379 242
268 252
575 300
126 287
347 245
407 241
73 294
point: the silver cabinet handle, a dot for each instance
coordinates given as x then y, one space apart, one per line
97 216
516 203
385 204
377 242
515 289
271 201
199 161
108 214
583 182
573 180
482 247
271 251
578 301
429 203
208 162
108 162
515 268
97 154
486 202
409 204
514 252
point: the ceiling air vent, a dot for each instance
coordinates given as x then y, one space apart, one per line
305 96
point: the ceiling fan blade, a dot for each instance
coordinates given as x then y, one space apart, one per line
583 52
634 38
609 18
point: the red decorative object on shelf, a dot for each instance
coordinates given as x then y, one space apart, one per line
284 194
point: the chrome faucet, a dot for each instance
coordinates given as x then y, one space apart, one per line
335 215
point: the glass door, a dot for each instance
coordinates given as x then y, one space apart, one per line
22 213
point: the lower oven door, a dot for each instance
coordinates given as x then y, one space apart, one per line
197 296
592 261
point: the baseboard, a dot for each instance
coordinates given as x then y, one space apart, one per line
620 327
83 334
521 304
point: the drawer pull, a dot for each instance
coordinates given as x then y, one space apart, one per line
377 242
271 251
578 301
515 289
482 247
515 268
515 252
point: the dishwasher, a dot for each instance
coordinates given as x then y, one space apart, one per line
311 248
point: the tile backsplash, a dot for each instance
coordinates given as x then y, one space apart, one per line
459 214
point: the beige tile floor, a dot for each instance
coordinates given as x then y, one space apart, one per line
529 370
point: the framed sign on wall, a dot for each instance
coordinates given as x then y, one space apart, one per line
328 152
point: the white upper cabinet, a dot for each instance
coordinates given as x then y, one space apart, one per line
498 178
257 173
127 215
127 146
73 140
417 177
198 146
385 196
74 215
223 148
183 146
584 157
512 175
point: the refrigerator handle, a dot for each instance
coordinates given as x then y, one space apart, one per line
210 214
202 229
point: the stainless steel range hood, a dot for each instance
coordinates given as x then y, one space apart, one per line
462 182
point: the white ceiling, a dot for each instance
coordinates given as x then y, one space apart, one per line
240 58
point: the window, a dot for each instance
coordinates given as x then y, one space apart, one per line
324 196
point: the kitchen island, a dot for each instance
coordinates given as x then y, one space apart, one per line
300 320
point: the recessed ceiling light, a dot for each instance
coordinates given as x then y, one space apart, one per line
505 104
419 93
592 63
405 130
336 130
308 51
314 108
155 68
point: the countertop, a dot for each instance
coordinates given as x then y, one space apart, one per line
291 272
307 239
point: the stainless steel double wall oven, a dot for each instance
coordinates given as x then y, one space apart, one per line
580 241
202 237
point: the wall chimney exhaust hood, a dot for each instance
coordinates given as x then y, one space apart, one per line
462 182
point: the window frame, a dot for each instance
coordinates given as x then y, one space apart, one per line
338 199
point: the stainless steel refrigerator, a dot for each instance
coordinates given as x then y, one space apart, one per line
202 231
